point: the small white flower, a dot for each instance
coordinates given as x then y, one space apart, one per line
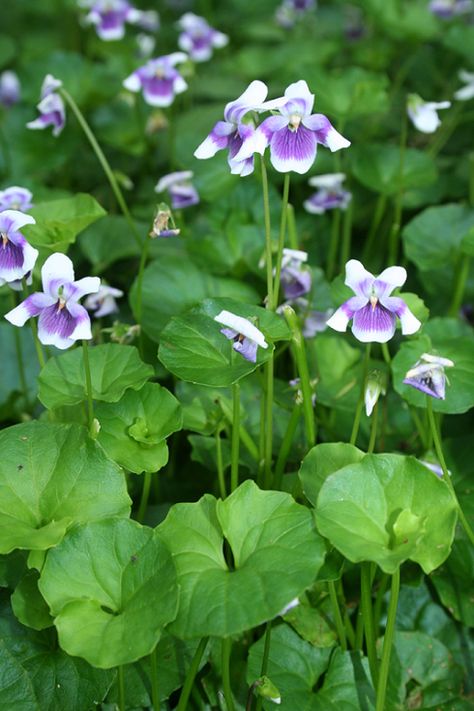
423 114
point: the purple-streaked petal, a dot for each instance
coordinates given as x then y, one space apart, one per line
82 330
388 280
217 140
323 200
325 132
373 324
247 348
53 113
81 287
427 379
358 278
296 282
293 150
229 333
345 312
409 323
254 95
241 167
299 99
158 92
31 306
183 196
55 326
16 198
261 137
14 220
56 270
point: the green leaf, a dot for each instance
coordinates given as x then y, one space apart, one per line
388 509
276 555
377 167
111 586
353 92
133 430
194 349
10 382
323 460
29 605
107 241
58 222
173 284
114 369
454 580
50 477
16 689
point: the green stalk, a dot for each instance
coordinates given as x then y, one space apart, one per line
386 354
419 426
268 236
286 445
225 663
367 613
376 220
245 437
379 600
121 689
373 429
439 453
333 243
292 233
393 242
87 372
103 162
144 497
360 403
460 280
220 467
265 659
19 356
359 631
145 248
336 610
387 642
346 236
235 441
155 693
191 675
281 239
268 450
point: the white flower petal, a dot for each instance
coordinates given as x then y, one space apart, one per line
243 326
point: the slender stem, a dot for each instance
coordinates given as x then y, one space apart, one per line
144 497
447 129
303 372
376 220
359 632
373 429
379 600
360 403
388 641
462 273
281 239
386 354
333 243
220 467
226 685
292 232
268 236
286 445
439 453
121 689
139 303
397 220
103 162
336 610
419 426
87 372
346 235
39 349
350 633
265 659
191 675
235 442
155 693
245 437
268 449
19 356
471 179
367 613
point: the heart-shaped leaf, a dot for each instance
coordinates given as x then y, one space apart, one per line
322 460
377 166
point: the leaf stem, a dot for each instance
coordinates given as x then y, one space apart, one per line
360 403
388 641
367 613
235 441
373 429
220 467
286 445
341 632
225 663
87 373
462 273
145 248
268 422
121 689
346 235
191 675
281 239
265 659
268 236
155 693
292 232
376 220
144 497
19 357
333 243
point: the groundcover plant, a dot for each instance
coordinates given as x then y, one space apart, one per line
236 335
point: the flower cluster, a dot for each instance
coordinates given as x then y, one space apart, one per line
158 79
330 194
181 191
51 107
198 38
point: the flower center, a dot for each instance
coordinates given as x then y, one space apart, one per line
159 73
295 120
4 237
373 301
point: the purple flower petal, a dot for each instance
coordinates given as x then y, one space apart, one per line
431 382
358 278
325 132
56 270
345 312
409 323
254 95
293 150
373 323
56 324
218 139
246 348
31 306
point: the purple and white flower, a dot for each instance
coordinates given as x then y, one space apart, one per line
330 194
103 303
293 137
290 11
17 256
109 17
233 133
198 38
374 387
466 92
181 191
16 198
9 88
245 336
428 375
373 310
51 107
424 114
295 277
158 79
446 9
62 321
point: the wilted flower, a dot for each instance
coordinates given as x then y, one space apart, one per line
9 88
245 335
62 321
446 9
17 256
295 277
233 133
161 226
158 79
374 387
16 198
295 383
330 194
109 17
466 92
293 137
372 309
428 375
103 302
51 107
179 186
198 38
423 114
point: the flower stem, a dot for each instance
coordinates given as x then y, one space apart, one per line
439 453
292 233
268 422
39 349
144 497
373 429
220 467
265 659
191 675
393 240
460 280
103 162
376 220
19 357
388 641
87 372
367 613
360 403
379 600
268 236
286 445
235 442
333 243
155 693
341 632
141 269
346 235
281 239
121 689
225 663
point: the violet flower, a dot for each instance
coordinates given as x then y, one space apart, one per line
293 137
51 107
62 321
330 195
198 38
245 336
446 9
423 114
232 133
290 11
372 310
181 191
17 256
295 278
158 79
16 198
9 88
428 375
103 303
109 17
466 92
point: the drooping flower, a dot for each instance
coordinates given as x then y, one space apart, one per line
293 137
245 336
9 88
103 303
51 107
161 223
198 38
17 256
373 310
158 79
375 386
424 114
110 16
62 321
446 9
466 92
295 277
180 189
16 198
428 375
330 194
232 133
